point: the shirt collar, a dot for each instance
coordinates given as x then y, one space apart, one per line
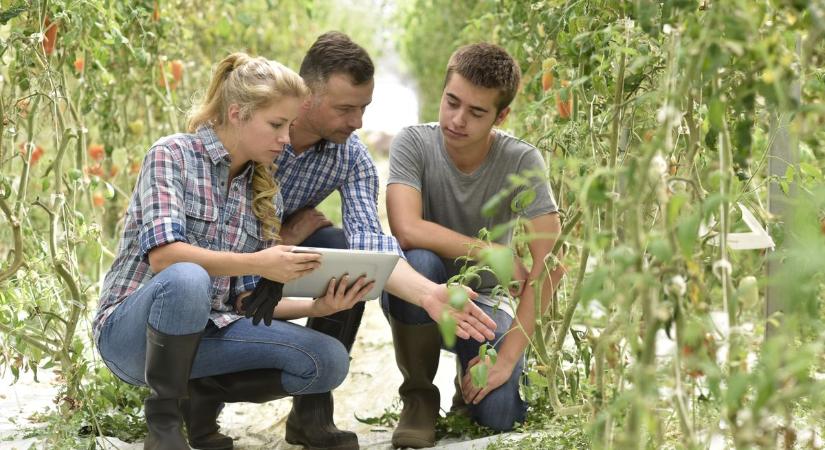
214 147
318 146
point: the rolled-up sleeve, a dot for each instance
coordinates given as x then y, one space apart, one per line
161 192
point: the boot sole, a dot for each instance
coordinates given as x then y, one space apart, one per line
294 441
295 437
223 446
411 442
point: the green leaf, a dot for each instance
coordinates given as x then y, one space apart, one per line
492 354
592 284
522 200
458 296
499 231
500 260
737 387
478 374
447 326
716 113
810 170
687 234
659 247
493 204
11 13
108 191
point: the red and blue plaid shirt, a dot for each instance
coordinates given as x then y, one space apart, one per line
307 179
181 196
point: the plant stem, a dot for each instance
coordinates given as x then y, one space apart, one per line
18 241
614 133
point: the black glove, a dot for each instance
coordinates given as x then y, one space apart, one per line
262 301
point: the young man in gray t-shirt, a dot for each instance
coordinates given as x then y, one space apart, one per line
441 174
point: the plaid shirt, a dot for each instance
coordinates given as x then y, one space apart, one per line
181 196
307 179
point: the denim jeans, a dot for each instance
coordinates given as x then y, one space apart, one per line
501 408
176 302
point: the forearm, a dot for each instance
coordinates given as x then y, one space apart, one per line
544 231
440 240
407 284
524 325
214 262
293 308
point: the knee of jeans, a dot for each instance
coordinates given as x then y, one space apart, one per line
426 263
501 409
191 282
331 367
327 237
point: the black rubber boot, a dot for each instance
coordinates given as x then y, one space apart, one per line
459 406
207 394
310 422
168 365
417 349
342 325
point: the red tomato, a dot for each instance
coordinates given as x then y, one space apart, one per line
95 170
564 107
37 153
176 67
97 152
50 36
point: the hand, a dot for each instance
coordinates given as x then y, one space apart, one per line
339 298
262 302
471 321
301 224
280 264
239 301
497 375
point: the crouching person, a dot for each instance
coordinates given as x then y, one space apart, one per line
440 176
200 232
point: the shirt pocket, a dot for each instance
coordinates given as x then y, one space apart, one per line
251 236
201 224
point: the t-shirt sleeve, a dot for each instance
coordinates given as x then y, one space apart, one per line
160 187
532 164
406 163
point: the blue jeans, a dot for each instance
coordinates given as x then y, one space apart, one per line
176 302
501 408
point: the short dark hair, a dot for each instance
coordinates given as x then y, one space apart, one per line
488 66
335 53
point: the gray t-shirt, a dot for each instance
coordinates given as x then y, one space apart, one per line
453 199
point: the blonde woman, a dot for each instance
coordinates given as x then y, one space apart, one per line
200 232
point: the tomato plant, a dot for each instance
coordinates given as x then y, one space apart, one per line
667 122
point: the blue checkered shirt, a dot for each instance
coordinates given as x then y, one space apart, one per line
307 179
180 196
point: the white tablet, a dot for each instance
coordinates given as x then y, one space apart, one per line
336 263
